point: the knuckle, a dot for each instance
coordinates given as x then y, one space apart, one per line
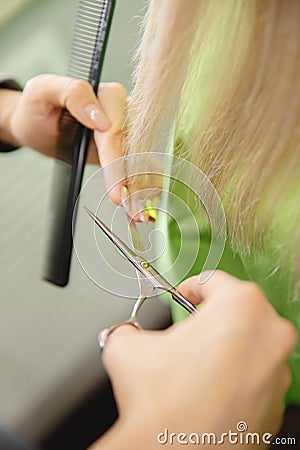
116 88
251 290
76 87
36 84
290 336
115 195
251 303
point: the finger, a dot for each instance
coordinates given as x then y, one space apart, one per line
144 184
117 344
189 288
199 287
124 351
113 98
120 356
77 96
92 156
110 157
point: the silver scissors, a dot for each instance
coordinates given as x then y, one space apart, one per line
149 278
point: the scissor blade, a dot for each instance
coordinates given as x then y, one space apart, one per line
149 279
124 249
146 286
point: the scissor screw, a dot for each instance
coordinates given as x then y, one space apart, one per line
144 264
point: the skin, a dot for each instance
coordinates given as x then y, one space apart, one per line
31 118
182 366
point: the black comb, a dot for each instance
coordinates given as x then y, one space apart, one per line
87 55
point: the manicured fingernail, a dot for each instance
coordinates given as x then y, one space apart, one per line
125 191
97 117
102 337
150 210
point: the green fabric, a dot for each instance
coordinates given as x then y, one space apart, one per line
258 267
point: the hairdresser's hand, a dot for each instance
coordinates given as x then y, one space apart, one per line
31 117
226 364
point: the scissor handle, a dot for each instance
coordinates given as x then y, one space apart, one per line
110 330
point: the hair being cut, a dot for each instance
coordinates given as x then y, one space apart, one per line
230 85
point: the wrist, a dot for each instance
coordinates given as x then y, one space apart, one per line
9 98
134 432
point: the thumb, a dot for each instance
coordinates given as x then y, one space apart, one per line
207 284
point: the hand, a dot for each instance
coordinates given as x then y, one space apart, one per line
31 117
227 363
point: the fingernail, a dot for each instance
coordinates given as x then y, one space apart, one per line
205 275
150 210
102 337
124 197
97 117
125 191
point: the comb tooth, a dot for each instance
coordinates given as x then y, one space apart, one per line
84 21
94 15
81 36
80 55
89 9
78 76
81 58
84 26
89 13
94 19
80 68
83 71
82 50
82 41
94 4
85 44
91 6
75 70
86 33
87 21
88 16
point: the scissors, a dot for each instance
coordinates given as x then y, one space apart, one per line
149 278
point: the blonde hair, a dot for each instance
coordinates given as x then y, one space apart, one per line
234 93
